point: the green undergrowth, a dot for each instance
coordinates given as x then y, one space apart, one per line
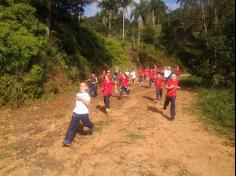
150 54
215 106
34 67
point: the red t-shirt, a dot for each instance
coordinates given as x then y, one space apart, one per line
152 74
124 82
155 69
102 77
172 92
177 71
120 76
146 72
107 88
159 83
111 78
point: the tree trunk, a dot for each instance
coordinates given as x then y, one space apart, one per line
49 18
133 39
123 23
139 28
153 18
110 18
215 19
204 18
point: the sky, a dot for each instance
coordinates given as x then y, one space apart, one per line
91 10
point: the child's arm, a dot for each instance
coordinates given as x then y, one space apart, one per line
169 87
86 102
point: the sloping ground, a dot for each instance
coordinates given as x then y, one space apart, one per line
135 139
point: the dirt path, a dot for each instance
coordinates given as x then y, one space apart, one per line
135 139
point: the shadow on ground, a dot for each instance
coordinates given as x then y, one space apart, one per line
156 110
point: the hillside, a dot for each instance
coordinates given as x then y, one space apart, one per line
32 65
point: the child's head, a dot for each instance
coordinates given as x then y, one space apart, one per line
173 76
107 78
93 75
83 87
158 74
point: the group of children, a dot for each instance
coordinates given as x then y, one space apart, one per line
161 78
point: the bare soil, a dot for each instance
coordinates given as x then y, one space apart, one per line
135 139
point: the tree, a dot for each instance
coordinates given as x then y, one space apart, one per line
139 14
157 7
111 6
124 4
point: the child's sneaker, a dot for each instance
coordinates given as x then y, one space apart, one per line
107 110
66 145
128 91
90 132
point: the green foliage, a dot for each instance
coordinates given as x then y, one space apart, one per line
191 82
33 82
89 50
27 59
218 107
149 35
206 47
150 55
11 91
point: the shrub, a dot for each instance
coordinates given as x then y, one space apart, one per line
191 82
11 91
219 106
33 82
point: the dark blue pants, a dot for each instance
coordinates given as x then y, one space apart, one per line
172 106
158 93
150 82
93 90
76 118
124 89
140 79
107 101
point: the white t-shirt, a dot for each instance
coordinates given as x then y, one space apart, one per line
133 75
127 73
80 107
167 73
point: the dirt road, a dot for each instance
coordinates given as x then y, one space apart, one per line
135 139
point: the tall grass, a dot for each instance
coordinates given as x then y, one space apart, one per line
217 106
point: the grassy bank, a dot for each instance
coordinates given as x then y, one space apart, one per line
216 106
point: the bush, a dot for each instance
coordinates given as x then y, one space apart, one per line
149 35
191 82
11 91
218 107
33 82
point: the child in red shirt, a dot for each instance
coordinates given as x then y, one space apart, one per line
177 71
159 86
107 87
124 86
141 75
102 76
171 86
151 77
155 69
146 73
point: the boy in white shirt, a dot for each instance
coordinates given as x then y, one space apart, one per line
133 76
80 114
